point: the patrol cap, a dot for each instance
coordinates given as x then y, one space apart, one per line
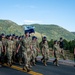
55 41
9 35
33 37
26 32
61 38
13 34
22 36
2 34
16 37
44 37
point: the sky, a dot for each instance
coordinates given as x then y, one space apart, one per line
59 12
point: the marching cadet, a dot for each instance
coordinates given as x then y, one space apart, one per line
35 50
57 51
9 51
4 44
38 48
20 50
45 51
28 48
0 49
14 48
26 51
16 55
61 44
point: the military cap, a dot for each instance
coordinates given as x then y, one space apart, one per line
55 41
26 32
44 37
60 38
33 37
2 34
16 37
13 34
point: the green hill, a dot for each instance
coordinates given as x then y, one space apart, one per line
73 33
54 31
9 27
51 31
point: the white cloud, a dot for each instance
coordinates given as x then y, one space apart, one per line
31 21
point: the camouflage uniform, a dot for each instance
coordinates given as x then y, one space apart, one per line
45 52
9 51
26 52
19 51
37 45
57 50
14 49
4 46
34 51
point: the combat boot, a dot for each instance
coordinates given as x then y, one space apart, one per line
54 62
57 63
34 64
24 68
45 63
28 69
42 60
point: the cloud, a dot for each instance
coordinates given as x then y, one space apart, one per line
31 21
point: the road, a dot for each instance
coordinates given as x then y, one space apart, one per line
39 69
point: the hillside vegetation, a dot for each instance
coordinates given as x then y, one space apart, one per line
51 31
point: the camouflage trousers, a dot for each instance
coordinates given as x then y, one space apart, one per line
45 54
62 53
57 54
9 56
34 55
26 57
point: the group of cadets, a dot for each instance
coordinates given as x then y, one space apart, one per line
25 49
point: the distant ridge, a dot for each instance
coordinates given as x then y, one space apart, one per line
51 31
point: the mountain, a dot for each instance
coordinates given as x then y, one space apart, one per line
54 31
51 31
73 33
9 27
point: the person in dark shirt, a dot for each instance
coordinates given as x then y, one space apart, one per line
61 45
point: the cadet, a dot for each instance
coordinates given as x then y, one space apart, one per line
26 51
16 55
34 49
20 50
0 49
45 51
38 48
57 50
9 50
4 43
14 47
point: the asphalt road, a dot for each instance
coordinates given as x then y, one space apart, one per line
39 69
